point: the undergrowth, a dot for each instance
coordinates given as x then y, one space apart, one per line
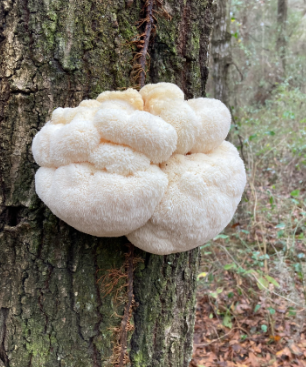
252 281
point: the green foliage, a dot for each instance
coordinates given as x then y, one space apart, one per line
255 271
258 69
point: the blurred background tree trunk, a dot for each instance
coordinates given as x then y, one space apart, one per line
281 43
57 304
221 51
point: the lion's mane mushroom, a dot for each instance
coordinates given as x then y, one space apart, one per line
205 187
202 196
166 100
215 119
146 164
96 172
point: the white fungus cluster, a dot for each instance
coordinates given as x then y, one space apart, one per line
148 165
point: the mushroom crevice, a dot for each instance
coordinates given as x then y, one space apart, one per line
148 165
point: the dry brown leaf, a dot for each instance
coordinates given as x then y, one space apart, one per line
284 353
295 350
253 360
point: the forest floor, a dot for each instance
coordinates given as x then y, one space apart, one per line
251 297
240 324
250 307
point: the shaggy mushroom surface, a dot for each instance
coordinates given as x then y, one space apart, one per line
148 165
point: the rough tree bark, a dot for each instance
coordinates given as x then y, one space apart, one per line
221 51
55 308
281 42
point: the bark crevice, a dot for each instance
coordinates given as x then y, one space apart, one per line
4 312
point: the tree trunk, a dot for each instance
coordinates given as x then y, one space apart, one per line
281 42
63 294
221 51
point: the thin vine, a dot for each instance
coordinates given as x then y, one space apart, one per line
109 282
149 25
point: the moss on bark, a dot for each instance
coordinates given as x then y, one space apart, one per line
53 310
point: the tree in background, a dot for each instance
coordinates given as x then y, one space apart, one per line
221 53
64 299
267 37
281 42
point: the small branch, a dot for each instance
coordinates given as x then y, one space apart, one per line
147 35
203 345
239 71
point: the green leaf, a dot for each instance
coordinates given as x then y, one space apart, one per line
295 193
257 307
289 114
252 137
230 266
211 277
281 225
271 310
223 236
297 267
292 311
227 322
272 281
262 283
207 245
271 133
264 328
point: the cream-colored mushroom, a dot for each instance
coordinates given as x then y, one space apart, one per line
153 93
96 172
215 119
100 203
118 159
166 100
130 96
118 166
140 130
201 198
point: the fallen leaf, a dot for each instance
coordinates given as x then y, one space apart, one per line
284 353
275 338
295 350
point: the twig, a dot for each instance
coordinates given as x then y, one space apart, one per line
202 345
